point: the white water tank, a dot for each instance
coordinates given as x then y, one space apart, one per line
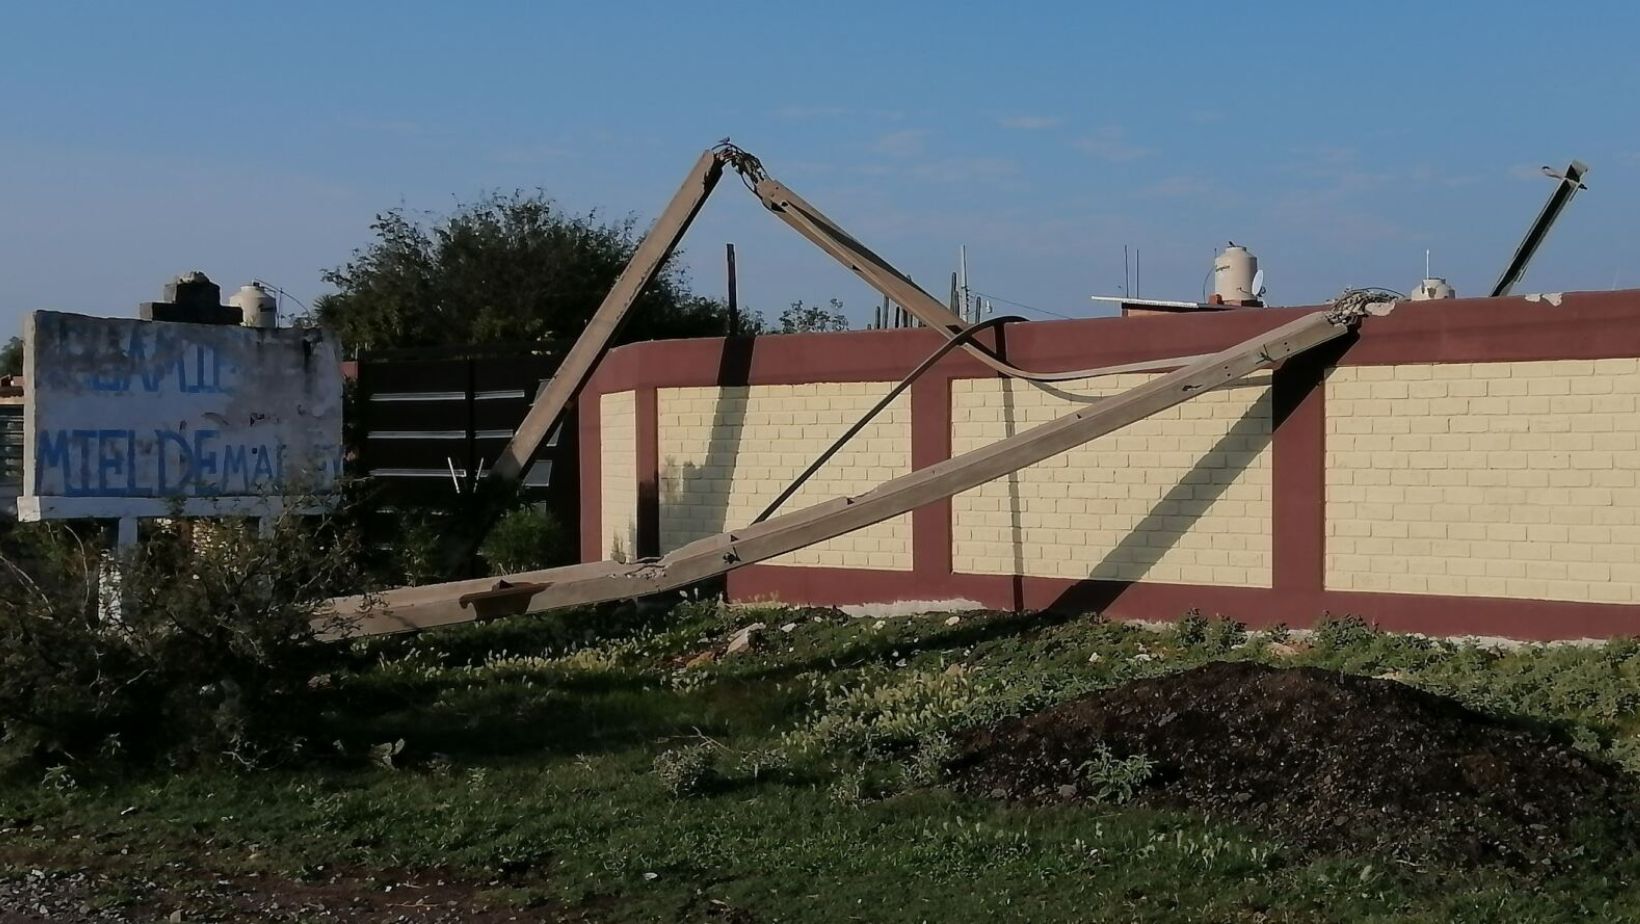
1233 272
256 305
1433 287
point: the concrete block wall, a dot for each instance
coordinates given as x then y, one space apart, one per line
1183 496
1511 479
1456 467
726 453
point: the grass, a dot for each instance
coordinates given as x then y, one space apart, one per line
572 762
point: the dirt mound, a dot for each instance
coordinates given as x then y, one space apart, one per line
1323 760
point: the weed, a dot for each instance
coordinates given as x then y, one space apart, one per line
928 764
849 788
1224 635
1191 629
759 761
1115 779
889 717
1341 632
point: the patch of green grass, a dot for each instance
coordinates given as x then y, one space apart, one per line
530 761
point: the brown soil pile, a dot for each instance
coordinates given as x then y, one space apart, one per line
1322 760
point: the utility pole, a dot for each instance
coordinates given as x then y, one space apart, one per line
734 298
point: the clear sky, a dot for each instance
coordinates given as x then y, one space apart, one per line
1339 141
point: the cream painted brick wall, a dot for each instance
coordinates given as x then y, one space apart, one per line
726 453
618 474
1181 497
1486 479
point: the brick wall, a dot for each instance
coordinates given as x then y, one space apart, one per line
726 453
618 475
1183 496
1485 479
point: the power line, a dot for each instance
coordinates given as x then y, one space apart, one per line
1009 301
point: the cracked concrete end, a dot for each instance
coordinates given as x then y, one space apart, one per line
1553 298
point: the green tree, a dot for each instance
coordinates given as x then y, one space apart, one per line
505 268
813 319
11 357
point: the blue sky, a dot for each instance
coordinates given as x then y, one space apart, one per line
1338 140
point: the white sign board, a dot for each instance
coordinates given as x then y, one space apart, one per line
127 418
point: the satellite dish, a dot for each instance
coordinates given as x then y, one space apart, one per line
1258 284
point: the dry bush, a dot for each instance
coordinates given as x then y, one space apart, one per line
201 648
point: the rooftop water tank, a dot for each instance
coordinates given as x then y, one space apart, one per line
259 308
1233 272
1433 287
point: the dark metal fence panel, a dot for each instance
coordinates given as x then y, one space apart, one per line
11 449
430 422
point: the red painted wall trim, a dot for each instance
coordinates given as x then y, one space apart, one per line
1534 620
1299 478
588 415
649 472
1585 325
930 444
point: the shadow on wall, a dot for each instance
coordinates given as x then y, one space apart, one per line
700 493
1170 517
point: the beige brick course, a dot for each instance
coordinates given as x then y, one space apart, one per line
1521 483
726 453
618 474
1183 496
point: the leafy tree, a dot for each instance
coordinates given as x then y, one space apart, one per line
813 319
11 357
505 268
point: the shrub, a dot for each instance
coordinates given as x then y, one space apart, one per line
685 771
525 539
210 655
